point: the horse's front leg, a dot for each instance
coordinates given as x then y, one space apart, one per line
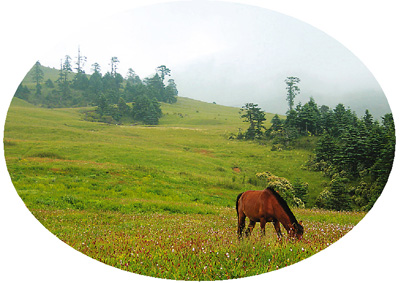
277 228
262 225
250 228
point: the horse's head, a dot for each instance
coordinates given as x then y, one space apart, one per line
297 230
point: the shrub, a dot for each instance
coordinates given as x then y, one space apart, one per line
335 196
282 186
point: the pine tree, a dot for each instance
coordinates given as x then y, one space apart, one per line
62 81
95 87
300 190
292 89
276 123
123 108
339 197
146 110
155 87
171 92
256 117
309 118
326 148
37 76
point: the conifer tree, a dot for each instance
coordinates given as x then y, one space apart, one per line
37 76
292 90
339 196
252 113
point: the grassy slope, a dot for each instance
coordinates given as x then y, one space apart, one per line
99 188
191 140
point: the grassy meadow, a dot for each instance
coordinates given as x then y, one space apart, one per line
159 200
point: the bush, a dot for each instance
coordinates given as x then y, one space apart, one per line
300 189
323 199
336 196
280 185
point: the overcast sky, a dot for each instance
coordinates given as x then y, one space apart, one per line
229 54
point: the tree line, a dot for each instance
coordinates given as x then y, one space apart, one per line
116 98
355 153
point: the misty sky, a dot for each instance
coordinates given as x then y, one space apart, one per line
230 54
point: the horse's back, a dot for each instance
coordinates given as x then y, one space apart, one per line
256 204
255 196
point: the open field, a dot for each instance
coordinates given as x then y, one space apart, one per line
158 200
190 246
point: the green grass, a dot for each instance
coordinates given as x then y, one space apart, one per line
158 200
189 246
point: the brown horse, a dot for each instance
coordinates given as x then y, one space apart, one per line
266 206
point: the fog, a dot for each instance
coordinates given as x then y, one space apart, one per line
230 54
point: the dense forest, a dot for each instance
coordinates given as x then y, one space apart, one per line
355 153
117 99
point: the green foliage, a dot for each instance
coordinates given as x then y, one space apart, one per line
356 151
252 114
105 92
37 76
146 110
292 90
359 149
283 187
336 196
49 83
80 81
340 198
22 92
301 190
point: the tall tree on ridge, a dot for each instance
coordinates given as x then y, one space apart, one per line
292 89
80 80
163 71
114 66
80 62
37 76
62 81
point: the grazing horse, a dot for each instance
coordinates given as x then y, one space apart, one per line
266 206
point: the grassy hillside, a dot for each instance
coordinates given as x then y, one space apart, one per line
190 140
75 175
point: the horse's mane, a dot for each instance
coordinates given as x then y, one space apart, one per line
284 205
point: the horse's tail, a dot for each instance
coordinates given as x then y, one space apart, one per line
237 203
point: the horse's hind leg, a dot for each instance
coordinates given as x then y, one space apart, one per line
241 224
277 228
250 228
